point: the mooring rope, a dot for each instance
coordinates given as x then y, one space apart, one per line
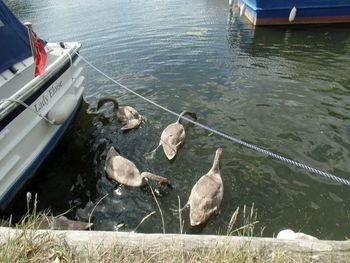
27 107
228 137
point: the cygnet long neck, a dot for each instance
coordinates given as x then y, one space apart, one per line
191 114
111 153
160 179
104 100
216 164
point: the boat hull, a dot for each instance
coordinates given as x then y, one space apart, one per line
272 12
27 136
35 164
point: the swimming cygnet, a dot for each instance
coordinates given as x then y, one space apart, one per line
173 136
127 115
63 223
206 194
125 172
290 234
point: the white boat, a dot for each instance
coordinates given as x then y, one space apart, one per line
34 111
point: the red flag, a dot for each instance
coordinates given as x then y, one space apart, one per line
39 55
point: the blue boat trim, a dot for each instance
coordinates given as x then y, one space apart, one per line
263 12
14 44
19 108
41 157
278 4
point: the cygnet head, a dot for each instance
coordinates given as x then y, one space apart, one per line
100 103
218 152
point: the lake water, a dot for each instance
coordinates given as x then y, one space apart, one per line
284 89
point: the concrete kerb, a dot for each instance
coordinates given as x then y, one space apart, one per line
316 250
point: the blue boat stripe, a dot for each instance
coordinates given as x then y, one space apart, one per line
269 9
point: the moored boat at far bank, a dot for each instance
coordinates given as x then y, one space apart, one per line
274 12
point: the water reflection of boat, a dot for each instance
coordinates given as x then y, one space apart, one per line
273 12
34 111
266 41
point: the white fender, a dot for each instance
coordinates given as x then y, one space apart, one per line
242 11
62 109
290 234
230 2
292 14
286 234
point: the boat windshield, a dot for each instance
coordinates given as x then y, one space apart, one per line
14 42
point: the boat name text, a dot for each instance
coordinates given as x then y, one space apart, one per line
45 97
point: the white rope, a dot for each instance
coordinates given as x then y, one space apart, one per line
71 65
27 107
228 137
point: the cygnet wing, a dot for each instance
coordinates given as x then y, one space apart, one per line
123 171
127 113
172 138
131 124
205 199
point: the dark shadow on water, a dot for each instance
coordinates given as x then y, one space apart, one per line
60 183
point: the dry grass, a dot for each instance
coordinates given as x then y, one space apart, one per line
45 248
31 246
205 255
27 246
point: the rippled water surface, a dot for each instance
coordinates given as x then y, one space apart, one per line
284 89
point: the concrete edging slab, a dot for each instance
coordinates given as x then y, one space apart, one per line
316 250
